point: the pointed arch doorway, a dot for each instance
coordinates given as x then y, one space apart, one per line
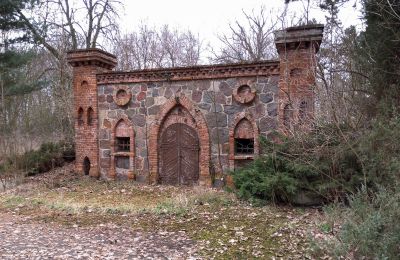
86 166
179 155
180 109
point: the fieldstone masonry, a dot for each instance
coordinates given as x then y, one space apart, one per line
225 108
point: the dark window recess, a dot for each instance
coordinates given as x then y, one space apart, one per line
90 113
244 146
287 114
302 112
80 116
123 144
122 162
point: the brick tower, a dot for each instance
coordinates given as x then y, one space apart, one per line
86 64
297 47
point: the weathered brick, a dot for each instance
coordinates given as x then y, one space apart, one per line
191 96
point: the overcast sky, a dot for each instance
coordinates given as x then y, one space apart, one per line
209 17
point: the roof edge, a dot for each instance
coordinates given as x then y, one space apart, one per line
261 68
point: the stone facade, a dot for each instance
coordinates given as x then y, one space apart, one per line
122 116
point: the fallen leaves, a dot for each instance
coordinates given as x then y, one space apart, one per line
218 224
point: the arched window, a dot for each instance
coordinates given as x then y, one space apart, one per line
122 145
122 149
243 141
80 116
90 114
287 116
302 112
122 137
244 137
84 84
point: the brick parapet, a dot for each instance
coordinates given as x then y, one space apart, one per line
191 73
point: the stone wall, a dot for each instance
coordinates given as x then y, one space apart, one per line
121 115
213 98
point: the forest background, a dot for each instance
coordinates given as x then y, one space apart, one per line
350 157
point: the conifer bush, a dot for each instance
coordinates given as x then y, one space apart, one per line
48 156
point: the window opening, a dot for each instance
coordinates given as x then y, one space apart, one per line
244 146
90 116
302 111
122 162
286 116
123 144
80 116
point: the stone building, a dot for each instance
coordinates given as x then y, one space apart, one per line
186 125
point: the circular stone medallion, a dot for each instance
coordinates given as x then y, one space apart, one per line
244 94
122 96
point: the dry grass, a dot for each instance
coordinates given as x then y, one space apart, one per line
223 226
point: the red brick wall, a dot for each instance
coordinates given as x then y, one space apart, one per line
213 97
86 64
297 48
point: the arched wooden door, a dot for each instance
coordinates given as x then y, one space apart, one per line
179 155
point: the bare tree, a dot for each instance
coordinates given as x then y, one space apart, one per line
139 49
251 40
150 47
56 26
83 24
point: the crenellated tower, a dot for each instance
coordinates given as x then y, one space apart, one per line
86 64
297 48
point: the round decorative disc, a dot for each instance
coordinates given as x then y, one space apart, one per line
122 96
244 94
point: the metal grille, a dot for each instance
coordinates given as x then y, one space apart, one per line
244 146
123 144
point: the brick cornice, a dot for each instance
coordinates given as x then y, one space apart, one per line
262 68
291 38
93 56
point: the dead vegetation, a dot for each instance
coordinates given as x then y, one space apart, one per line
222 226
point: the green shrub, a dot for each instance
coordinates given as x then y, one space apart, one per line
328 163
270 178
370 228
48 156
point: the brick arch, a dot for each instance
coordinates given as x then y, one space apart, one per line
80 116
90 116
80 164
242 116
202 130
287 117
114 152
302 111
86 165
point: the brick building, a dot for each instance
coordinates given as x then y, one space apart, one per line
186 125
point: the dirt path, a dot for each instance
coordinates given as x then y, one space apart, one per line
19 240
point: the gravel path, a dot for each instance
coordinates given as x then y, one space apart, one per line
19 240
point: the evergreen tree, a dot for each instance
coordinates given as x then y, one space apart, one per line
380 48
11 23
13 59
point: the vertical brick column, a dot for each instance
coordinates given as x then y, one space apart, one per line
86 64
297 47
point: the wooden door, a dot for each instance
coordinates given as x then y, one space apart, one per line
179 155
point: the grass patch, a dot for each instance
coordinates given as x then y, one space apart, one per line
223 226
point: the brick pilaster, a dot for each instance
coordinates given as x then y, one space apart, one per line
86 64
